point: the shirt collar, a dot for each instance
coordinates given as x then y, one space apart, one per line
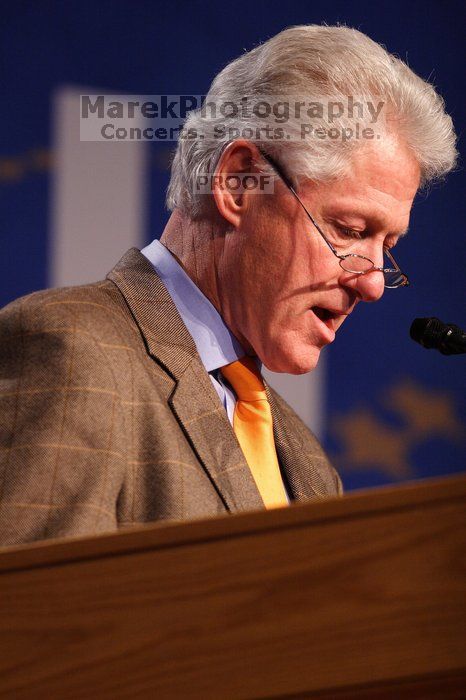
215 343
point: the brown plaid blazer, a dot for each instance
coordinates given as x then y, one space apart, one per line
108 417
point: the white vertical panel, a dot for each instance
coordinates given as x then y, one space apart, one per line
98 198
305 393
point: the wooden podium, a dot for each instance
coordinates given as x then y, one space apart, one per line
358 597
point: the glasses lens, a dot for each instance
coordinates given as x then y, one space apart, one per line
356 263
394 279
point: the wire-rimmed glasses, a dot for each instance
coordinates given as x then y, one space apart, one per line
350 262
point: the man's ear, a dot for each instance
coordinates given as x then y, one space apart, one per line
239 157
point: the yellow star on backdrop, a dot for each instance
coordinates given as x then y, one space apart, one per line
424 411
369 443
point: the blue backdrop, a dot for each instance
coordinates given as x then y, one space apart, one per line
393 410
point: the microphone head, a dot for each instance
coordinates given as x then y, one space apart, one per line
433 333
428 332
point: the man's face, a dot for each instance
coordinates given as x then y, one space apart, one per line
284 292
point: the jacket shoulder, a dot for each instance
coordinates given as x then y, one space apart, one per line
98 308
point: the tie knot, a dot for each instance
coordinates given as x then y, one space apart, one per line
245 379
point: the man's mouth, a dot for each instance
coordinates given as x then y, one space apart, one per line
325 315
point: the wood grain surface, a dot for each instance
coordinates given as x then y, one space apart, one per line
354 597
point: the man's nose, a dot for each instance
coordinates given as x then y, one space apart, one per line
371 286
368 287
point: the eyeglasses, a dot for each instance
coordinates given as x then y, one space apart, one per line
351 262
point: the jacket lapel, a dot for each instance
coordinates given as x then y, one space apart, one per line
194 400
299 452
204 421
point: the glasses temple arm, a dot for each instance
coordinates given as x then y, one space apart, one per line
280 172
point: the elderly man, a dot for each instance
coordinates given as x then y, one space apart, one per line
139 398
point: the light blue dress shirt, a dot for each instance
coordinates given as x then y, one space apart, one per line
215 343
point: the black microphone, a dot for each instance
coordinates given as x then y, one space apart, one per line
433 333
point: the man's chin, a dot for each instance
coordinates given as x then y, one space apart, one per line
292 361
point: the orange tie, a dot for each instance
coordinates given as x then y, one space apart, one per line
252 423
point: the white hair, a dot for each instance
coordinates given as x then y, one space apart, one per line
313 61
